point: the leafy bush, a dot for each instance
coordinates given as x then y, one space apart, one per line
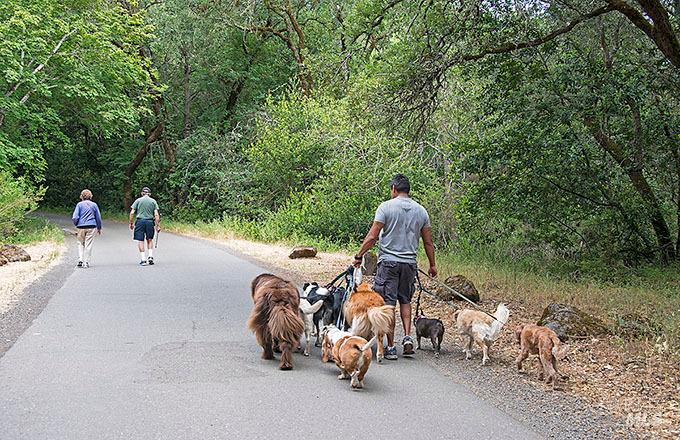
16 198
294 139
324 173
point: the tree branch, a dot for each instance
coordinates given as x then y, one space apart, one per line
660 31
511 47
42 65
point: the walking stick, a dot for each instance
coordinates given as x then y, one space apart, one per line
158 232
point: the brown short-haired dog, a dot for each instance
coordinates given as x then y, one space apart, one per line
537 339
352 354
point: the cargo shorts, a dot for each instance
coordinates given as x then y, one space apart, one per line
395 281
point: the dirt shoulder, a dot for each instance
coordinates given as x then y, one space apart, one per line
611 388
19 275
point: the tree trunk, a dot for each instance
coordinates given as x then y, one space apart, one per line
187 98
640 184
150 138
675 152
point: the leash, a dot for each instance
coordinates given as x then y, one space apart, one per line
336 279
475 306
420 292
351 275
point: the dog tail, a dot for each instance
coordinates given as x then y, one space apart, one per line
369 344
501 315
381 319
559 351
363 348
308 309
285 324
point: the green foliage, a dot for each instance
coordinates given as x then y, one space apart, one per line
73 82
16 199
33 230
211 176
290 122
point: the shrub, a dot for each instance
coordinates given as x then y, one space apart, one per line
16 199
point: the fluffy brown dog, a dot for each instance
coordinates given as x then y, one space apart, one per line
368 316
352 354
536 339
275 319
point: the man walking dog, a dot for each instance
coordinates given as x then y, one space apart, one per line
146 224
399 224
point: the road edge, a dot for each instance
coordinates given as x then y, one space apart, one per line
33 300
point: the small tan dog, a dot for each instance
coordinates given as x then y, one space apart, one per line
352 354
537 339
481 328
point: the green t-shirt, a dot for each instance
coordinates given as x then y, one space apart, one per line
144 207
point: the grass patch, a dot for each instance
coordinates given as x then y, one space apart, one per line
34 230
230 228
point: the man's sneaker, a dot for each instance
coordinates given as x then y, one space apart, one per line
407 342
80 264
86 265
391 353
150 261
142 263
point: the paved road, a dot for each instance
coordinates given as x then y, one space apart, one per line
162 352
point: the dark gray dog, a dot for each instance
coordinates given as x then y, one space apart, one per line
430 328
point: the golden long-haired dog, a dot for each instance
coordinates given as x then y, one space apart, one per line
275 319
537 339
368 316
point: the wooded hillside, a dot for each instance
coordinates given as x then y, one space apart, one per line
547 129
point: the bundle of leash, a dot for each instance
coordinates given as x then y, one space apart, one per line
348 318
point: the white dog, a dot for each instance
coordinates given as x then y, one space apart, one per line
481 328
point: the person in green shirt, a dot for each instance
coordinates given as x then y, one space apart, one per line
145 226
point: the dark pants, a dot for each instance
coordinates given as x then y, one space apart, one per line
395 282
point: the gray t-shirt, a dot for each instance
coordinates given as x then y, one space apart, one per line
404 218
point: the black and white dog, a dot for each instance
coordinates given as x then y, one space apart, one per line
329 311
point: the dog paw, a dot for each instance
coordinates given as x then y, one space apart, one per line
317 344
285 367
305 354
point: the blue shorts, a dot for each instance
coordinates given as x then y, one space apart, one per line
144 227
